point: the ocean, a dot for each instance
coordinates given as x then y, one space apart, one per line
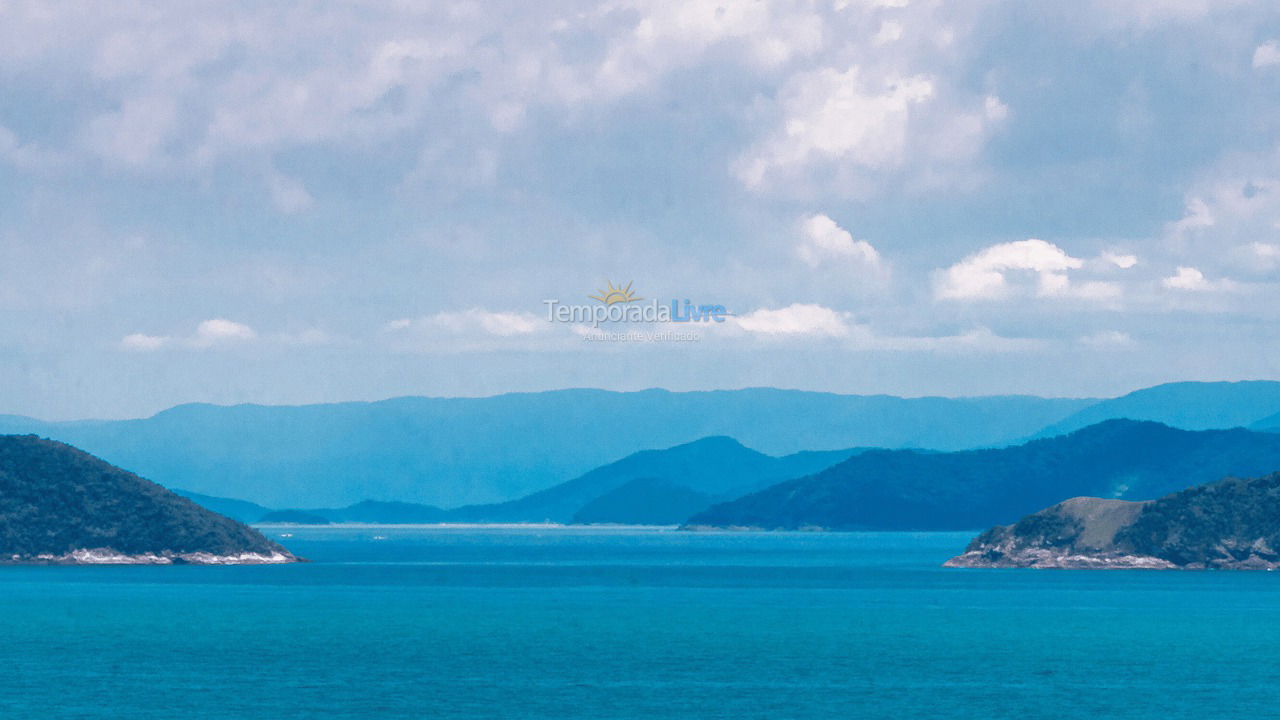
421 622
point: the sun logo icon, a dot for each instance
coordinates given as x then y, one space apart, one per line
616 295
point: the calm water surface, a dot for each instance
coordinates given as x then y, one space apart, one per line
555 623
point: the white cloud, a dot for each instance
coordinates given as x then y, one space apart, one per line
216 331
478 330
978 340
1107 338
829 115
809 321
670 35
196 85
1230 225
1197 216
995 109
220 330
798 319
1124 261
186 88
501 324
399 324
986 274
823 240
835 130
1189 278
143 343
1262 256
1267 54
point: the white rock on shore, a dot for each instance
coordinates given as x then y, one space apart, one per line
107 556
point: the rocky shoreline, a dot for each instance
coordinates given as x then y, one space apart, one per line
1046 559
106 556
1233 524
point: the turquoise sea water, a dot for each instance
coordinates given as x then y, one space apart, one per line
528 623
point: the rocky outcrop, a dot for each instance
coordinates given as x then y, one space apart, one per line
1231 524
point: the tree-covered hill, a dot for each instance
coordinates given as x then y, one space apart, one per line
56 500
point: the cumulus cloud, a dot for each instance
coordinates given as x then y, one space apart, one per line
1196 216
979 340
1263 256
809 321
1186 278
220 330
822 240
670 35
474 321
197 85
1267 54
1124 261
987 274
1193 280
185 89
208 334
1231 218
833 115
141 342
798 319
478 330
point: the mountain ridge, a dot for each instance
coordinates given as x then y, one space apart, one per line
714 467
1184 405
452 452
909 490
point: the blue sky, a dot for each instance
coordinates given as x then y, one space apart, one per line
232 202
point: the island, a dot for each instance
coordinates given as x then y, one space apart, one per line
62 506
1230 524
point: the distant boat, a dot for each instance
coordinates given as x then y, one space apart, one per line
379 537
286 534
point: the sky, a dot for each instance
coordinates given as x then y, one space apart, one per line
275 203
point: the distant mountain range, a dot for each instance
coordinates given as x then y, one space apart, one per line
656 486
483 453
61 505
1230 524
1184 405
910 490
651 487
458 451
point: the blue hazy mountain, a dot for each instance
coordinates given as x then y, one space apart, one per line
714 468
1185 405
242 510
645 501
908 490
294 517
455 451
379 511
1270 423
366 511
